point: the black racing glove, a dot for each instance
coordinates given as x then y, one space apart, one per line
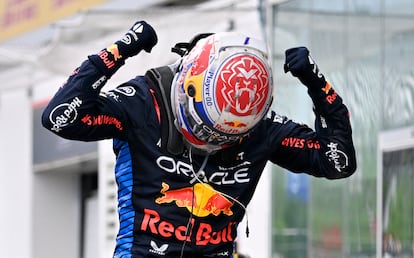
301 65
141 36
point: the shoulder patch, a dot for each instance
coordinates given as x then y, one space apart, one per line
277 118
126 90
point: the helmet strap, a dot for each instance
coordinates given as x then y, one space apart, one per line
182 48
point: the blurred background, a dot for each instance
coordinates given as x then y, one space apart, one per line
58 197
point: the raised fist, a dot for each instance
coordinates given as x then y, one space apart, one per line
300 64
141 36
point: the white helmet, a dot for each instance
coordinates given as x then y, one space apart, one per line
222 90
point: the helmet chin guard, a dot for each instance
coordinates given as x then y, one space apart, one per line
222 90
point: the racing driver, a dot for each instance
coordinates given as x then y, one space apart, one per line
191 139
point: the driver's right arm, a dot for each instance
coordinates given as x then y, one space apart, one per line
79 111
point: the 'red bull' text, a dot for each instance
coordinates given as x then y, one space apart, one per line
201 236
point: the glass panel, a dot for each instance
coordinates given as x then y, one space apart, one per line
290 235
398 204
399 7
398 75
329 6
365 49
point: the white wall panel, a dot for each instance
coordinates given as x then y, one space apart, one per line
15 173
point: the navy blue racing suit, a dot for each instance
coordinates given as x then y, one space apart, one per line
168 207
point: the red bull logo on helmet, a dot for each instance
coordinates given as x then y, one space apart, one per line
201 200
235 124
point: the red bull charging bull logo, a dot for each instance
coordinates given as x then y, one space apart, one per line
113 49
201 200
